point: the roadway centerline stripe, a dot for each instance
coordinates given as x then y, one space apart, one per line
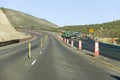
33 62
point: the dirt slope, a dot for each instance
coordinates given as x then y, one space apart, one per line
7 31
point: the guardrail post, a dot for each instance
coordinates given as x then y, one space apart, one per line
67 41
96 51
71 43
80 45
60 38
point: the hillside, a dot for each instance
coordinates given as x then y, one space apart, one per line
110 29
7 31
23 20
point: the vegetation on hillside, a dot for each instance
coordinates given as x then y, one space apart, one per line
110 29
25 21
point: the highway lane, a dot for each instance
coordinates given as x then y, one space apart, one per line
14 61
59 63
51 62
107 50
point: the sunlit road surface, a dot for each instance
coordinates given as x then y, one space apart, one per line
51 62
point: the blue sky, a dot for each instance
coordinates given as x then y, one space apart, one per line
68 12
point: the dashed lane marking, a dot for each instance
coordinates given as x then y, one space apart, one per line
33 62
40 52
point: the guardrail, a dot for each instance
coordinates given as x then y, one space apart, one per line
9 42
107 50
14 41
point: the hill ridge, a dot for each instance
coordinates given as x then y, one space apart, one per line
20 19
108 29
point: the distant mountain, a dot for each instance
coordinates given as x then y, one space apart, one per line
22 20
109 29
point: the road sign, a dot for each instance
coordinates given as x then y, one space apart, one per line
91 30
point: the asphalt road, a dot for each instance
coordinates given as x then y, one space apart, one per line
51 62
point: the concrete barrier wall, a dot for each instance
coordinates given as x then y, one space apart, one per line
107 50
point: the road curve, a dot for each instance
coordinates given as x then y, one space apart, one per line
60 63
51 62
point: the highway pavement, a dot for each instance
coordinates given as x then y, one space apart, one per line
54 61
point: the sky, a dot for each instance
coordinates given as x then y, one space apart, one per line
68 12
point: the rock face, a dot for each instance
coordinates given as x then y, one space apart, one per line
7 31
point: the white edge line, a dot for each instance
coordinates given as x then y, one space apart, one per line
33 62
